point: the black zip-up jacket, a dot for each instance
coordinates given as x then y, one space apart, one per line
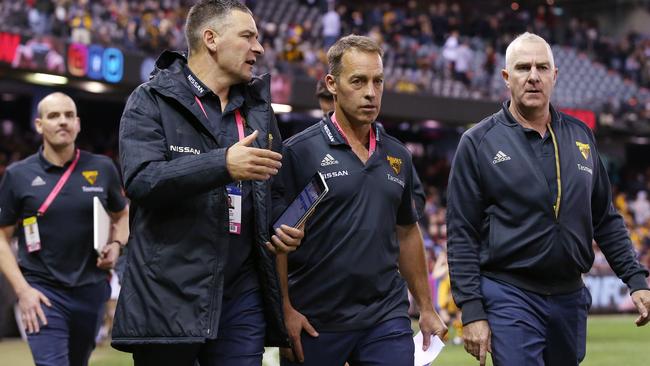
175 175
503 223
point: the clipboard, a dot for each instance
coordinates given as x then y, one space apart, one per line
101 225
305 203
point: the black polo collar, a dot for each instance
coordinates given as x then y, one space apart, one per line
46 165
333 136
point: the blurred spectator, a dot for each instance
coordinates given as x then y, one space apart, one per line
331 27
640 207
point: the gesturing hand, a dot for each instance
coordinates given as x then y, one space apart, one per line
250 163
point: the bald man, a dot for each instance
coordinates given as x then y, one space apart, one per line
528 193
46 200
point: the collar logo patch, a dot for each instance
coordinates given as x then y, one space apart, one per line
395 163
584 149
90 175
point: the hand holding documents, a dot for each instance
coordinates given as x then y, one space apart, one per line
426 357
101 225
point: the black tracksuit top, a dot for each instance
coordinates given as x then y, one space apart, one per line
504 224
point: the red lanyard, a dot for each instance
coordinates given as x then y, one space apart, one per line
372 142
238 118
59 185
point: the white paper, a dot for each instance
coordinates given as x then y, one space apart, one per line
423 358
101 225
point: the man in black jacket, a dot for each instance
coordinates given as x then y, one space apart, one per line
198 145
527 195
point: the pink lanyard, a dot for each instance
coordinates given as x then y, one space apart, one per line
59 185
238 118
372 142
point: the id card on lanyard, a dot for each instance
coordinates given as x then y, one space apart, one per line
30 224
234 190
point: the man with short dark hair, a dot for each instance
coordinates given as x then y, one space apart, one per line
528 193
199 144
60 280
325 98
345 286
326 103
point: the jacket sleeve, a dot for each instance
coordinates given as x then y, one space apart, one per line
610 232
277 184
149 175
285 187
9 204
465 212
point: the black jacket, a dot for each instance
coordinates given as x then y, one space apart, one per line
501 217
175 174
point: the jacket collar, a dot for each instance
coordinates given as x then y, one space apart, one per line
509 119
199 89
196 85
169 79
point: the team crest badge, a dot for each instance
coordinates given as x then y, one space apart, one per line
90 175
584 149
395 163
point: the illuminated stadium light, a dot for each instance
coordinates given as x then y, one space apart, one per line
6 97
315 113
93 87
46 79
281 108
432 124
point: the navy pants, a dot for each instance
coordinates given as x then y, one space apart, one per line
389 343
535 330
72 324
240 341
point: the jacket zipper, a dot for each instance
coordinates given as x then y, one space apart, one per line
212 292
556 206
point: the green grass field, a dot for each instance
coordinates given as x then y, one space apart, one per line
611 341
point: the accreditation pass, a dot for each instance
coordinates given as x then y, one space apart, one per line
32 237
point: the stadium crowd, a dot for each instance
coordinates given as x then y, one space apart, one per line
447 48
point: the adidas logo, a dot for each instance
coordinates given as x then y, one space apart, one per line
328 160
38 181
500 157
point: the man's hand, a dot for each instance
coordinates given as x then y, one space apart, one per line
286 239
295 323
477 338
29 302
109 256
431 324
249 163
641 299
